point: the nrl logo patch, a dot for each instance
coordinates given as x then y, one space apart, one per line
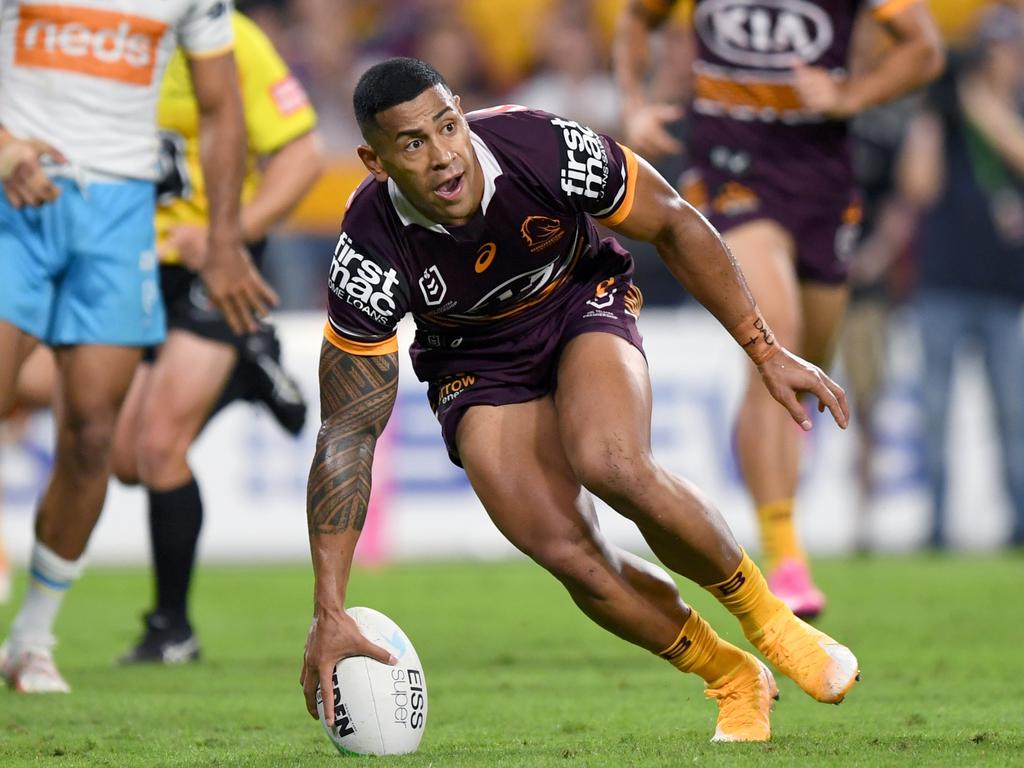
432 286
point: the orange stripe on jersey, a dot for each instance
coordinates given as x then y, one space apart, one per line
360 348
634 300
626 206
892 8
106 44
778 96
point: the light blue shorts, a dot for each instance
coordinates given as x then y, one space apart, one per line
83 269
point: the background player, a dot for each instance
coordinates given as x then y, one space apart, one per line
34 390
203 366
78 272
527 336
771 167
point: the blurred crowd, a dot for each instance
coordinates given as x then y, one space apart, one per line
549 53
942 172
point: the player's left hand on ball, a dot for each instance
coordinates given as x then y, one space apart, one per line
332 637
819 91
236 287
787 377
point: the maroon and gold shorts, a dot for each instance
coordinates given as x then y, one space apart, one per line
527 368
824 226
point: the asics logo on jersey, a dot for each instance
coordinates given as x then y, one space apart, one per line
361 282
105 44
770 34
484 257
585 162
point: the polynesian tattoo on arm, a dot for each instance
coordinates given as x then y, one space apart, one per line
357 395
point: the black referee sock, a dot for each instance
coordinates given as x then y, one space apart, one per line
175 518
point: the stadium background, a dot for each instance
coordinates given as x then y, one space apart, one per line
552 54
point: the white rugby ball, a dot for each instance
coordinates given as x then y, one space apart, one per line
378 709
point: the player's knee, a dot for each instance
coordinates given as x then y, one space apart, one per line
159 452
89 440
647 577
125 464
573 563
614 472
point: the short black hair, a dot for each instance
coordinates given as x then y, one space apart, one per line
393 81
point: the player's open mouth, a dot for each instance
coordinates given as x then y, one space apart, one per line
451 188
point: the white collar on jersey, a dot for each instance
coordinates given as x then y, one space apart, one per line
410 214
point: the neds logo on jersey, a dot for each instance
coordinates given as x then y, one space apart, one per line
106 44
585 163
362 282
773 34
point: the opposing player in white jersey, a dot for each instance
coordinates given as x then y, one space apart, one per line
78 150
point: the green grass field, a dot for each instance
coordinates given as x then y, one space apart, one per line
518 677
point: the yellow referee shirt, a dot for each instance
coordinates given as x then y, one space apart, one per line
277 111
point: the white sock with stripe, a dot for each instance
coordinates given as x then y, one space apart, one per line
50 576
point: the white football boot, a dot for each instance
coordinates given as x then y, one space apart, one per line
31 671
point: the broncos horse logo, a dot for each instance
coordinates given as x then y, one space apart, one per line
540 232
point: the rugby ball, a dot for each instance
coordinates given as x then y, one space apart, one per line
378 709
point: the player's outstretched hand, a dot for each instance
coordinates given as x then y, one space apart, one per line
788 377
332 637
236 287
21 172
647 133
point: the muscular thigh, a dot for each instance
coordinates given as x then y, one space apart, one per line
37 380
765 252
126 433
514 460
93 380
603 402
15 348
186 380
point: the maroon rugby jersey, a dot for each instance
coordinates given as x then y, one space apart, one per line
747 119
483 290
